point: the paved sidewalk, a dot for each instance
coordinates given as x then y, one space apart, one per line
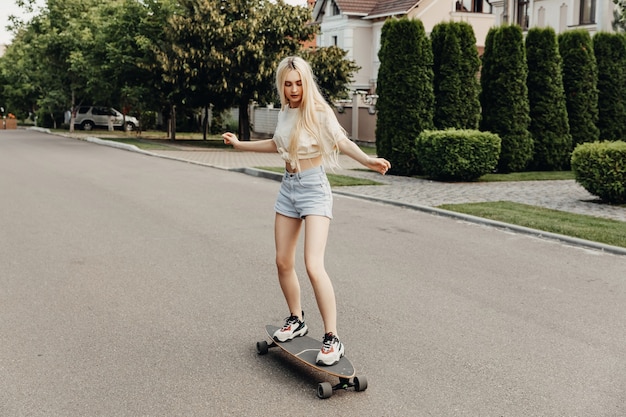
566 195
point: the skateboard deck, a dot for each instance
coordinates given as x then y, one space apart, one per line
305 349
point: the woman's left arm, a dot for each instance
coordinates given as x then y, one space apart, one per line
351 149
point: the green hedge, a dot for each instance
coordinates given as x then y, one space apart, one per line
600 167
458 155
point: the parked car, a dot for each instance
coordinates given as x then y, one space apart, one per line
88 117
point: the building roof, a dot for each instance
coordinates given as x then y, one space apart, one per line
392 7
358 7
369 9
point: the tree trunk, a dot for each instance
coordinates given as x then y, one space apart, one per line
244 119
205 122
172 124
73 111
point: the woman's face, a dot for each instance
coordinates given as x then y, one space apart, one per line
293 88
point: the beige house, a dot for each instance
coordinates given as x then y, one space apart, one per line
356 26
561 15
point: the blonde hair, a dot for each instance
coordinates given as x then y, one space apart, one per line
312 103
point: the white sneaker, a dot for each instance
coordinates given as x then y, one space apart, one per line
332 350
293 327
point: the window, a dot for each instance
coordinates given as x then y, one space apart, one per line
541 17
334 41
522 14
336 10
587 12
474 6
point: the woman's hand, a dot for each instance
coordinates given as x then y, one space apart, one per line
380 165
230 139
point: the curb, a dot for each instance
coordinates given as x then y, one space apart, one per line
616 250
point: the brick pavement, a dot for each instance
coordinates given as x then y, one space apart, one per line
564 195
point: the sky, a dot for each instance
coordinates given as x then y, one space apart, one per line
8 7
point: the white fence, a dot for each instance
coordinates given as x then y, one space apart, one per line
359 125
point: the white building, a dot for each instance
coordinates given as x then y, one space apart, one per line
355 25
561 15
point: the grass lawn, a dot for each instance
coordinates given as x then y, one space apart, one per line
596 229
528 176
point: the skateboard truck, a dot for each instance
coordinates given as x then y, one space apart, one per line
326 389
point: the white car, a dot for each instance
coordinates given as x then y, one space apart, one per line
88 117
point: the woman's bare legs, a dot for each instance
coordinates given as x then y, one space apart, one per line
286 231
315 237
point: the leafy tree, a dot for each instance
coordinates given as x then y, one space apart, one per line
549 124
260 34
610 53
332 70
18 75
580 81
160 54
455 67
124 53
504 96
405 93
196 58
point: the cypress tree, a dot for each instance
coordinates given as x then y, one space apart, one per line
470 67
549 124
505 97
610 53
405 93
580 81
486 80
455 66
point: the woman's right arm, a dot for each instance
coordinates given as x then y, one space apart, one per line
267 145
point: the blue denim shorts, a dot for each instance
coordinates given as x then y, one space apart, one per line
304 194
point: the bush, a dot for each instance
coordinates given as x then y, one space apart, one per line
458 155
600 167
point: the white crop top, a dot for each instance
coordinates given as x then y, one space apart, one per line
308 146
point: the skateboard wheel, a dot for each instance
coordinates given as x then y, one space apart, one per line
360 383
262 347
324 390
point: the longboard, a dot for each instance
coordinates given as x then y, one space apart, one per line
305 349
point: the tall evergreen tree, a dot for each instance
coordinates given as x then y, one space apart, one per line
580 81
505 97
455 67
470 67
610 54
405 93
549 124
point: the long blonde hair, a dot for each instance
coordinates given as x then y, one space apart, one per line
311 105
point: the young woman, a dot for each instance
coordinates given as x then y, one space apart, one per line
307 137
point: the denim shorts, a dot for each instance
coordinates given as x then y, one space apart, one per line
305 193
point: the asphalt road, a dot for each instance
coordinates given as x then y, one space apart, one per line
137 286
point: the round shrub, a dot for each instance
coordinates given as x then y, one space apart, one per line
458 155
600 167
